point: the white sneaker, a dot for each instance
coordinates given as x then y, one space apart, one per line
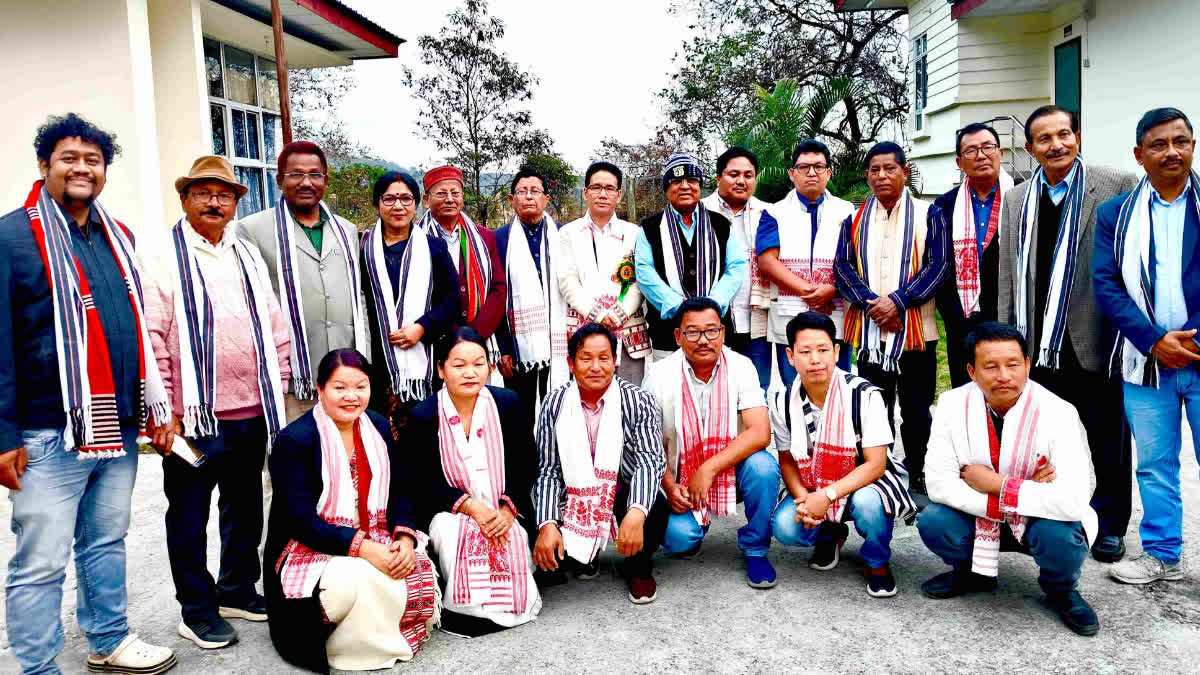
133 657
1145 569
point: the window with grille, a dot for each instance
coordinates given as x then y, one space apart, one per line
921 78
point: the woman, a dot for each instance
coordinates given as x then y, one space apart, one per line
347 581
412 298
475 453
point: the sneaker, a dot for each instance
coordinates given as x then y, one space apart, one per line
589 571
1108 548
759 572
134 657
211 634
916 485
1074 611
827 551
957 582
642 590
880 582
254 609
1145 569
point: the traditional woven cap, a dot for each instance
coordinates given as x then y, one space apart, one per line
441 173
211 167
681 165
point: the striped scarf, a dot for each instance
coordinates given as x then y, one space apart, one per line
290 285
475 269
197 356
704 238
1062 270
874 345
536 309
1133 249
93 427
697 445
966 242
410 371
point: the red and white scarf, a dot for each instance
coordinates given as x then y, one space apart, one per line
830 452
473 261
697 445
587 519
536 309
966 242
808 258
483 574
93 429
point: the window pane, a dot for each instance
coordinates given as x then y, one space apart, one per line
212 65
268 84
253 201
239 133
271 134
216 114
252 135
239 76
272 187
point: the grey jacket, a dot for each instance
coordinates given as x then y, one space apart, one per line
1085 324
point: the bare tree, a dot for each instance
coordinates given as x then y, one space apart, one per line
316 95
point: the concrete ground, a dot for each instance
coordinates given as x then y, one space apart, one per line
707 620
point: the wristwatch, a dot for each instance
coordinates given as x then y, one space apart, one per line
831 494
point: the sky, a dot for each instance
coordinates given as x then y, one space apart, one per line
601 66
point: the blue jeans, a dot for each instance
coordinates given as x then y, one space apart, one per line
1058 548
1155 416
865 509
65 501
788 374
757 484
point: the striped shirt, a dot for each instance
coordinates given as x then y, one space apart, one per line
643 462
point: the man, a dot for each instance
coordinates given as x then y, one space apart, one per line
685 251
223 350
1008 470
891 258
1047 228
533 334
715 431
840 467
737 176
797 244
596 276
971 214
599 469
312 256
481 276
1147 280
77 379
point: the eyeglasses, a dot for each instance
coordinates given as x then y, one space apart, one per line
447 194
890 170
690 180
390 200
297 177
710 333
223 198
531 192
810 168
988 149
603 189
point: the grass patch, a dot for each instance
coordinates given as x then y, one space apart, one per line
943 367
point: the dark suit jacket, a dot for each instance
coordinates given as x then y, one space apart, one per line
948 304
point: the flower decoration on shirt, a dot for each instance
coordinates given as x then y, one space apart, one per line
624 276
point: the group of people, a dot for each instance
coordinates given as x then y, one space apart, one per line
537 392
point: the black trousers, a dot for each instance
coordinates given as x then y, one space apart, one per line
641 564
957 357
531 387
1100 401
915 385
234 465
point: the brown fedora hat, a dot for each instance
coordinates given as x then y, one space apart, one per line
211 167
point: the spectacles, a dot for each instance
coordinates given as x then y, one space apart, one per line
444 195
603 189
810 168
988 149
710 333
223 198
531 192
691 180
890 170
297 177
390 200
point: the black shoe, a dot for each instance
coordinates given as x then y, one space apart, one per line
589 571
830 538
212 633
547 578
1108 548
955 583
916 485
880 582
1074 611
251 609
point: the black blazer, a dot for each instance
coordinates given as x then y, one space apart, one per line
948 304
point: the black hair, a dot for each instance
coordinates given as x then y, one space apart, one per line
972 128
885 148
441 350
1049 110
385 181
586 331
348 357
1158 116
809 321
808 147
58 127
527 171
602 166
991 331
696 304
734 153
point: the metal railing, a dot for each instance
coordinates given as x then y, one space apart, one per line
1017 160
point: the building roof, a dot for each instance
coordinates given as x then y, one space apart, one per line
328 24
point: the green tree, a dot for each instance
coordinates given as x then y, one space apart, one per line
562 178
349 189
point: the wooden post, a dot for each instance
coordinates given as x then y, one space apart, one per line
631 200
285 104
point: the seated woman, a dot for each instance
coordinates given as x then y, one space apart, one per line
347 581
474 452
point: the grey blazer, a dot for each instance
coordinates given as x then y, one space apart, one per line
1085 323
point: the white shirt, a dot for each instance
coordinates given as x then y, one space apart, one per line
451 239
876 431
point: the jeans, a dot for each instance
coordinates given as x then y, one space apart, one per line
915 386
65 501
1155 415
788 374
234 465
865 509
1059 548
757 484
758 350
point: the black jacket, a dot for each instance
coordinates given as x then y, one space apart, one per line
948 304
